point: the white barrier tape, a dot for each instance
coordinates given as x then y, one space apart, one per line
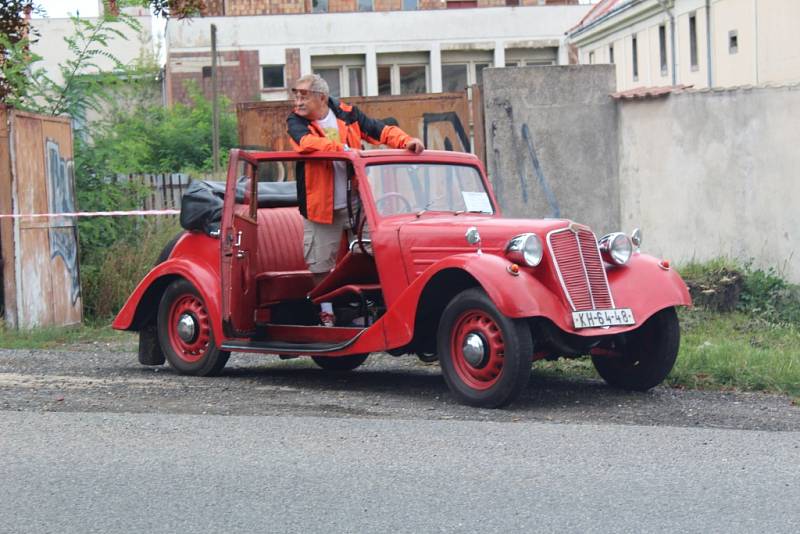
88 214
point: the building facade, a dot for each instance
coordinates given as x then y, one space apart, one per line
702 43
362 48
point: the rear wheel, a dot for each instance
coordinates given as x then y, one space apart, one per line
647 354
185 334
485 356
340 363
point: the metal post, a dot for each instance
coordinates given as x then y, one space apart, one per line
214 102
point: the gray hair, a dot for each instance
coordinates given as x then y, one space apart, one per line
316 83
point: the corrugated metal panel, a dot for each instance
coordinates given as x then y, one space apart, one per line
441 120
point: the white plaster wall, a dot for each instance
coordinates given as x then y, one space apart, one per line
767 53
377 32
709 174
54 51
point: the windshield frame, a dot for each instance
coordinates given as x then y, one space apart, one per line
420 210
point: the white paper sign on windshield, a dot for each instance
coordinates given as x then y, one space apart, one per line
477 201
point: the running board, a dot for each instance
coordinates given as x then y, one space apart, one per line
278 347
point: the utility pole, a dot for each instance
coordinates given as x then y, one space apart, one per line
214 102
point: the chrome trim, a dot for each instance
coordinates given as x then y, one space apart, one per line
585 273
636 239
515 249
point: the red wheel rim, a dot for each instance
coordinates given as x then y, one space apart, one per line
486 373
189 348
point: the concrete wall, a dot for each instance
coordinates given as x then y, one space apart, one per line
709 174
562 120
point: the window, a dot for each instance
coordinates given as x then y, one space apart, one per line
332 77
365 5
591 58
319 6
404 73
355 79
385 80
611 54
479 72
635 58
693 41
344 73
206 72
512 2
410 5
272 76
662 48
460 4
454 78
413 79
733 42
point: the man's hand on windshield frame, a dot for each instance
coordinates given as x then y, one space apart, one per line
415 145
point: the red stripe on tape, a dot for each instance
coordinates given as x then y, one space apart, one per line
88 214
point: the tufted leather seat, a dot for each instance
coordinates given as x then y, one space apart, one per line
282 271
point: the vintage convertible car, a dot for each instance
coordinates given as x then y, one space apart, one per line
432 269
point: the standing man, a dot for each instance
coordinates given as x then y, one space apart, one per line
322 123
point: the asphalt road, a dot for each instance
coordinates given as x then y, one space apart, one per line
92 442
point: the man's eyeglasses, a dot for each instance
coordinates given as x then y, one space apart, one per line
303 94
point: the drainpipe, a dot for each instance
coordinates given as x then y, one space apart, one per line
671 15
708 43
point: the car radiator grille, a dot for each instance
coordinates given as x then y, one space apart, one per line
580 269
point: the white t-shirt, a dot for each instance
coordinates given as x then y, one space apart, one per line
331 129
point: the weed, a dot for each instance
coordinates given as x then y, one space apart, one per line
109 282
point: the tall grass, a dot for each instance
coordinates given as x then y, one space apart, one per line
108 282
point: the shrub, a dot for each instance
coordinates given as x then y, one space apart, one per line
111 278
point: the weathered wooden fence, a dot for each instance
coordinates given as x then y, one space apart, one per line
165 190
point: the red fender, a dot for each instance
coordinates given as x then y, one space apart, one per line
525 296
194 267
514 296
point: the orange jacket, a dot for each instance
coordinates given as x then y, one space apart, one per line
315 182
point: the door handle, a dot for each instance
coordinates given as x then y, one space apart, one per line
238 239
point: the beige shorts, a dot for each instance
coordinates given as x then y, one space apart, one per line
321 241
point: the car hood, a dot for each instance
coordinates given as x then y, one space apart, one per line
427 240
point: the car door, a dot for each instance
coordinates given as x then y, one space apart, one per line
239 248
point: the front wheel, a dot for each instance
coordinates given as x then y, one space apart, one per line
485 356
185 334
646 355
340 363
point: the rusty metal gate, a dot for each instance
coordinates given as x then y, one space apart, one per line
41 285
443 121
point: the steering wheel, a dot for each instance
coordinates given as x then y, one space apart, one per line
396 197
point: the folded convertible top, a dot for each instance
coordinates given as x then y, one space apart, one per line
201 204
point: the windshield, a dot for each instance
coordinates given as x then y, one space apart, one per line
413 188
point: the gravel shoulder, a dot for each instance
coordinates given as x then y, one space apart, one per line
107 378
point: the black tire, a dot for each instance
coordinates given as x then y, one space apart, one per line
647 354
504 368
340 363
197 355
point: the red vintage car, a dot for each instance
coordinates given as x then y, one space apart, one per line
432 269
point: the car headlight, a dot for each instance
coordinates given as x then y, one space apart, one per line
525 248
616 248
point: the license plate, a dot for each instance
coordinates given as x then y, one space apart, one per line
600 318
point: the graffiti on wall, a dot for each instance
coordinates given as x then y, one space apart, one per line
520 158
63 233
